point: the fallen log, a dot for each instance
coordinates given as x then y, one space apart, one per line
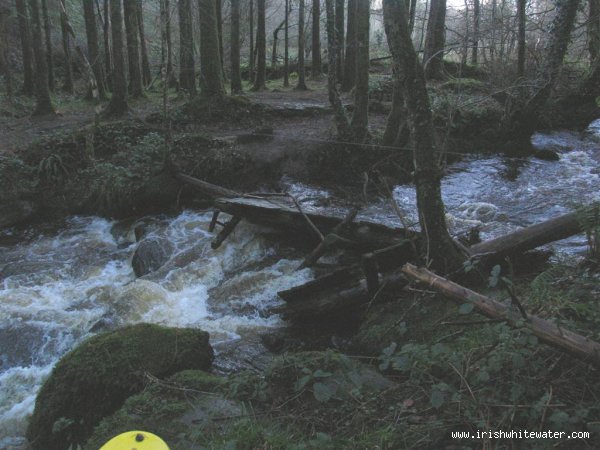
282 213
209 189
343 292
545 330
530 237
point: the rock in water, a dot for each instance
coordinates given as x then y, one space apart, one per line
546 155
94 380
150 255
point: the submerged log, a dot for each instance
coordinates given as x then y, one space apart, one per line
548 332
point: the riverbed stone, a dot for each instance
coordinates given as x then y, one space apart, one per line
93 380
150 255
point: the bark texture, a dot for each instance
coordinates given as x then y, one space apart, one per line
43 101
133 47
118 102
435 40
187 72
301 86
210 57
261 48
236 78
26 48
439 247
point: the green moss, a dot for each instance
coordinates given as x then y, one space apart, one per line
94 380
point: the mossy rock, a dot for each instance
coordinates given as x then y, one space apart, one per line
93 381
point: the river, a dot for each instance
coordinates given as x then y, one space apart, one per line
60 284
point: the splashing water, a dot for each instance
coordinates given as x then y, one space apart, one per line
59 289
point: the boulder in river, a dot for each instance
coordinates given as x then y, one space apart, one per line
546 155
92 381
150 255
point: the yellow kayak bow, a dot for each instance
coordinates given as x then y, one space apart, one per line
135 440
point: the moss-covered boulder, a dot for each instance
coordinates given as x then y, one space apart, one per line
92 381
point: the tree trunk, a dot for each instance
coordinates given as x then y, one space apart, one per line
27 51
476 20
106 83
360 117
275 42
439 247
146 72
301 86
92 45
44 104
521 37
5 67
118 102
350 59
219 13
236 77
521 123
433 54
251 59
593 30
391 135
286 58
48 35
187 73
261 45
316 39
133 47
68 84
339 28
171 78
210 59
341 120
413 15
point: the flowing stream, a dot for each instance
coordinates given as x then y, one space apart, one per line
60 285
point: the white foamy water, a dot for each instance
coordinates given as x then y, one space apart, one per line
59 288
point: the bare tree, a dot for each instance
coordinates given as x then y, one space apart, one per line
339 27
118 102
301 86
435 40
48 42
26 49
68 83
439 246
261 48
316 39
210 58
350 59
236 78
91 32
43 104
187 72
133 48
360 117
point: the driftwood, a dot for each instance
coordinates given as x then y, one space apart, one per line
548 332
